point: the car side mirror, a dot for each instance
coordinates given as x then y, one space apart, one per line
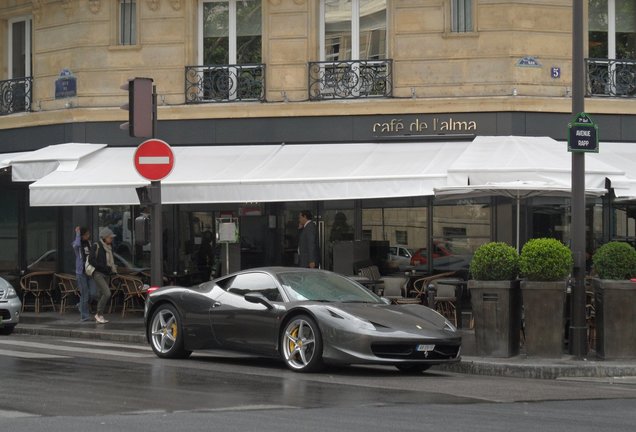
385 300
256 297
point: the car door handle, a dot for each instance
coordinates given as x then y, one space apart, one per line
215 305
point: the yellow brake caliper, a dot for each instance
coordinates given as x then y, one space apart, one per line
292 345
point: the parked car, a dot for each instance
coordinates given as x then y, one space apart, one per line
10 307
419 257
305 317
444 259
400 257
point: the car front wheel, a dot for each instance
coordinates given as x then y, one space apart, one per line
302 344
166 334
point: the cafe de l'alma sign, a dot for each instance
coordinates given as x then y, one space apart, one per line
423 125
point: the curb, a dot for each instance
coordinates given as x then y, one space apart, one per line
576 368
125 337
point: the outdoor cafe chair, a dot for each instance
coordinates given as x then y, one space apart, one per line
133 291
37 285
421 285
67 285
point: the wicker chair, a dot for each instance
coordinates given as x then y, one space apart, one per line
67 285
134 295
37 285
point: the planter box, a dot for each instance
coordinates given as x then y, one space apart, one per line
615 305
543 305
497 312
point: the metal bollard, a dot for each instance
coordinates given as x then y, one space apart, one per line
431 291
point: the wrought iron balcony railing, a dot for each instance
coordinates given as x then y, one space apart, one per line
224 83
350 79
606 77
15 95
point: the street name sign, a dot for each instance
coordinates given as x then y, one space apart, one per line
583 135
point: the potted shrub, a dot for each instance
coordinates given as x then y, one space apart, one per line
615 300
496 299
544 265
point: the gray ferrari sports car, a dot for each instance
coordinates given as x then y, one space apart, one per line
306 317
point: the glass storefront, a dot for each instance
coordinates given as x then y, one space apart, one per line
8 231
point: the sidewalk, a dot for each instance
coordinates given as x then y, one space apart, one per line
131 330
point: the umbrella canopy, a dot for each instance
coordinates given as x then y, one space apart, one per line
517 190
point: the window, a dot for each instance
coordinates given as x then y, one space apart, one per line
127 22
20 48
462 16
612 29
230 32
255 283
353 30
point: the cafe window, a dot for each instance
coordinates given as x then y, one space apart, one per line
404 226
9 231
127 22
353 30
459 228
41 237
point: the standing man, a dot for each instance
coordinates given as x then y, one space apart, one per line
82 247
308 252
101 257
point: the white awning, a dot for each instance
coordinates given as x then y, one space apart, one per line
496 159
34 165
6 158
621 155
257 173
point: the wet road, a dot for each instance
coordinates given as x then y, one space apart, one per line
62 384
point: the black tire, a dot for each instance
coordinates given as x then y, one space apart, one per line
301 344
7 329
165 331
412 368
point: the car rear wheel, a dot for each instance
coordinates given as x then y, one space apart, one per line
7 329
166 334
301 342
412 368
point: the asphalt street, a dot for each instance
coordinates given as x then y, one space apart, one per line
58 384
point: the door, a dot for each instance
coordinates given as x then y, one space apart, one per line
239 324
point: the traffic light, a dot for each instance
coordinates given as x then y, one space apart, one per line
140 107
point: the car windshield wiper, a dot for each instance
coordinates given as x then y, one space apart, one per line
355 301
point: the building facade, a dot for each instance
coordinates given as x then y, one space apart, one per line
262 72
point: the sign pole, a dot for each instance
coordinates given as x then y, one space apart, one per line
578 328
156 251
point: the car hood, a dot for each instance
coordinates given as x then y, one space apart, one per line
397 317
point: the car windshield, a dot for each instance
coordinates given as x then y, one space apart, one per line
324 286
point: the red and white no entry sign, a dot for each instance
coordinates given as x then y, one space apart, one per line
154 159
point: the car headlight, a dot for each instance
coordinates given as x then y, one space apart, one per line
358 322
449 326
10 293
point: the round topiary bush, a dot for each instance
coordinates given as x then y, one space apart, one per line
495 261
615 260
545 259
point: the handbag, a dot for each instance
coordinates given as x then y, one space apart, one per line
88 268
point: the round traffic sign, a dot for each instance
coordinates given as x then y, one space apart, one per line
154 159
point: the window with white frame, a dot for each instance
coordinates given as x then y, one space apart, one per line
127 22
612 29
461 16
353 30
230 32
20 46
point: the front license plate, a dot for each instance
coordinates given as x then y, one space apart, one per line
425 348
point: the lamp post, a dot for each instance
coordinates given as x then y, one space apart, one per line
578 328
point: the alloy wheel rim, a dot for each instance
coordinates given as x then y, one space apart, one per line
164 331
299 344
